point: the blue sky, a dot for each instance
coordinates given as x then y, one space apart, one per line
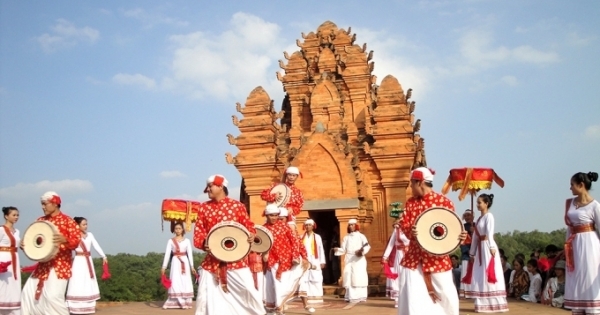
118 105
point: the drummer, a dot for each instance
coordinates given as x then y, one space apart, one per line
296 200
280 281
426 282
44 291
222 288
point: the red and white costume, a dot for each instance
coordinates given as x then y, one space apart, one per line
392 256
296 201
181 292
312 281
423 272
10 281
44 291
83 291
281 282
487 276
211 298
582 251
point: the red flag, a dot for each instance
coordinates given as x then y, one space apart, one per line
491 271
165 282
105 272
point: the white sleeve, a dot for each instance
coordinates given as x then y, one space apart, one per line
189 253
320 249
367 248
510 281
596 217
474 242
489 222
390 245
344 245
96 246
167 255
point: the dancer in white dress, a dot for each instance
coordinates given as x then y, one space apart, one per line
582 250
487 285
10 280
83 291
392 256
179 252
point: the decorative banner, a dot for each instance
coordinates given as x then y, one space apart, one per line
176 210
471 180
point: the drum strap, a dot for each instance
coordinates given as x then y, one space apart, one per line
87 255
177 253
13 254
222 273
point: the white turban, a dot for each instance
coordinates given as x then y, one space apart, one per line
352 221
216 179
292 170
283 212
309 221
52 197
271 209
422 173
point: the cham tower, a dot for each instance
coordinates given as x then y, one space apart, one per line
354 140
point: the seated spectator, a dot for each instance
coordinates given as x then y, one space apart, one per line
535 282
520 256
518 283
505 263
456 269
507 270
555 288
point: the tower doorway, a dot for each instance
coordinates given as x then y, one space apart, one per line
328 228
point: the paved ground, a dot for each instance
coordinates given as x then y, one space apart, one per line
333 306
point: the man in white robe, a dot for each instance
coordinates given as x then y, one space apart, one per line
355 278
312 282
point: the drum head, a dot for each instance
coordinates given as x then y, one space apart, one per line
263 240
283 192
228 243
438 230
38 241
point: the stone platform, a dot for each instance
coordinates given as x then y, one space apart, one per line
332 305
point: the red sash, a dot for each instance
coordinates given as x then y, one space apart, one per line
87 256
574 229
177 253
13 253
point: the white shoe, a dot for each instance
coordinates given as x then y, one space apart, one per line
310 309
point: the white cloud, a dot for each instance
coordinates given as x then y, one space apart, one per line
574 39
593 132
171 174
477 49
227 66
149 19
510 80
389 61
134 79
65 34
35 190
